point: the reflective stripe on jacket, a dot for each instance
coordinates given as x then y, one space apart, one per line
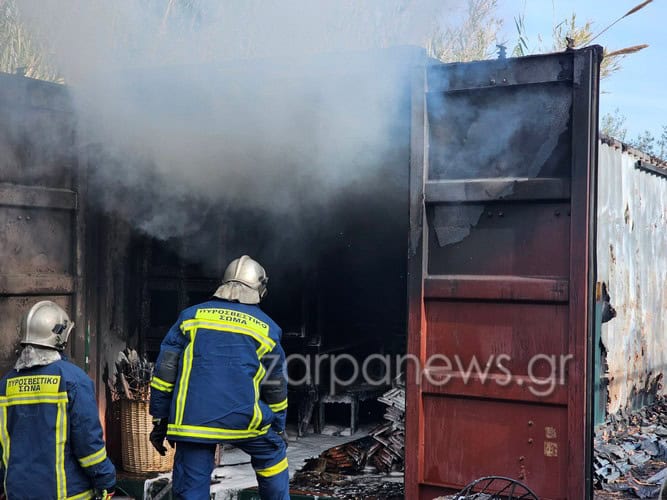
50 434
209 375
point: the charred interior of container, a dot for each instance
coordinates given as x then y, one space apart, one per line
323 207
125 243
336 286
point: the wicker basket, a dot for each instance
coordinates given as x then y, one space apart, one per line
138 453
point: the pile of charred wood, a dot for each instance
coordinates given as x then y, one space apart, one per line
382 450
348 458
367 487
374 455
389 451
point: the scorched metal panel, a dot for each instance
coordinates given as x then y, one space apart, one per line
501 270
41 209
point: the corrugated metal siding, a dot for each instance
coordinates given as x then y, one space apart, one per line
632 260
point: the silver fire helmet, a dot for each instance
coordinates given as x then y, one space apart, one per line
47 325
244 281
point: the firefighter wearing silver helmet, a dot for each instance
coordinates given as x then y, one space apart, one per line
219 378
244 281
65 419
46 325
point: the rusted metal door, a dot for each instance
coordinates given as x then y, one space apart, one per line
501 271
41 217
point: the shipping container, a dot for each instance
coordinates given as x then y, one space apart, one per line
472 237
502 271
632 264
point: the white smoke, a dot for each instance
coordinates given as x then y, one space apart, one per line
186 105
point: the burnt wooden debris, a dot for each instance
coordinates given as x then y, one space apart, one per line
383 450
631 453
390 436
367 487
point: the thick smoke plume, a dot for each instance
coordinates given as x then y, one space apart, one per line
188 107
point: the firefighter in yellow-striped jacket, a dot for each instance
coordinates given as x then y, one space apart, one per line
50 432
219 378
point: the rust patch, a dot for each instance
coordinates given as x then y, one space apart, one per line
550 449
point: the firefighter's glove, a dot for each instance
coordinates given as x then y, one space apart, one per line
158 435
104 494
283 436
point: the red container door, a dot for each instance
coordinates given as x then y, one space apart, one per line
501 273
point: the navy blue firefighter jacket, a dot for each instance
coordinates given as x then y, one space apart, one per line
220 374
50 434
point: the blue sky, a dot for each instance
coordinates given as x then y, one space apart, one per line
639 89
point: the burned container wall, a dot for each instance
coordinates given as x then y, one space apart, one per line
632 261
41 210
500 273
337 278
168 279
